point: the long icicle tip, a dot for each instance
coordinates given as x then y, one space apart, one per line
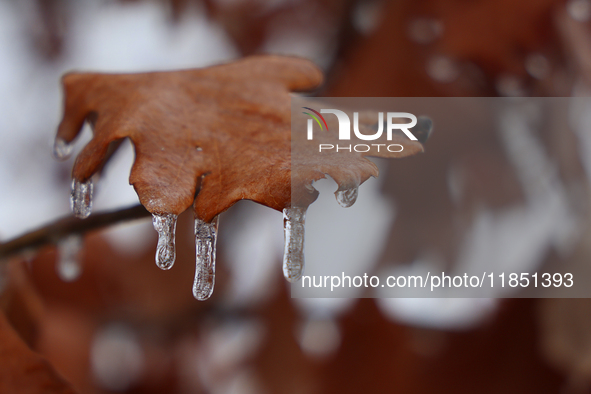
294 220
165 251
81 198
205 244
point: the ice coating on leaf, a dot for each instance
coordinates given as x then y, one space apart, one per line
61 149
174 148
294 220
205 241
165 251
247 156
81 198
68 258
347 197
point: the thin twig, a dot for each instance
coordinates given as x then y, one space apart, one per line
63 227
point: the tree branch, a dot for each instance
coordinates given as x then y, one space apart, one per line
52 233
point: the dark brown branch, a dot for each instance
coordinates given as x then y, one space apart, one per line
61 228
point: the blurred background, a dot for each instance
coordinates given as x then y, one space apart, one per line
515 192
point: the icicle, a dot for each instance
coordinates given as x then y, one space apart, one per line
205 239
61 149
294 220
81 198
347 197
68 258
165 251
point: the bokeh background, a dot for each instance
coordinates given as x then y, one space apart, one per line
517 192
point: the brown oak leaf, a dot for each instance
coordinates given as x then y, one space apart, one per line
210 136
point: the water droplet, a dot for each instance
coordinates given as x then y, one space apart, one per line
347 197
424 30
294 220
537 65
81 198
61 149
442 69
579 10
69 258
165 251
205 240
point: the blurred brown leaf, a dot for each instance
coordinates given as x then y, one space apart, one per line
24 371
